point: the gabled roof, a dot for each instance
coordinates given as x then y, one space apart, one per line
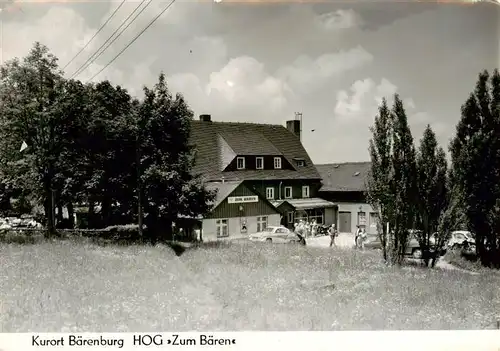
223 190
349 176
260 146
247 139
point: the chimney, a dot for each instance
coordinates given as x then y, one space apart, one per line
206 118
294 127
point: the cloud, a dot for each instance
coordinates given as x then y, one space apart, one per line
244 89
262 63
362 99
308 74
64 29
241 91
340 19
355 111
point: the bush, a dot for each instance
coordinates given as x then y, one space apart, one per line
25 236
463 260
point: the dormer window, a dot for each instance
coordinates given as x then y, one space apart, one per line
277 163
259 162
300 162
240 163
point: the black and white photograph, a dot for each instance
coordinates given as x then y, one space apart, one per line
229 166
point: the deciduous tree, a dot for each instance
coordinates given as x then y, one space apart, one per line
169 187
431 202
379 194
475 152
403 182
29 91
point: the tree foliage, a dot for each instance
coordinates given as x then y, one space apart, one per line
432 186
30 114
475 152
403 182
391 183
94 145
166 159
379 194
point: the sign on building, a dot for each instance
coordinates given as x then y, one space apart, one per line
242 199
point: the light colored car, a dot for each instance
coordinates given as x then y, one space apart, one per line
461 238
275 234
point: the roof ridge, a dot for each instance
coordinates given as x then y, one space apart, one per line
341 163
247 123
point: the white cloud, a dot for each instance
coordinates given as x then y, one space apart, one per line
238 65
363 98
307 73
354 113
243 89
340 19
64 31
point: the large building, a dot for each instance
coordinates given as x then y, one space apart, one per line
345 184
262 174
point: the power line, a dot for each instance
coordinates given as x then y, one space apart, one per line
98 52
135 38
98 31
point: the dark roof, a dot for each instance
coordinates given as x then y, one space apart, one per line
349 176
223 190
260 145
247 139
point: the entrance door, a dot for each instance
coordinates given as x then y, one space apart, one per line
345 222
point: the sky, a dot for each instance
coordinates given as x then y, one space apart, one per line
261 62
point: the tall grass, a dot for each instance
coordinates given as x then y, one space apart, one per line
75 286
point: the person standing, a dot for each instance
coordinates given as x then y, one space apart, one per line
356 235
362 238
300 227
332 231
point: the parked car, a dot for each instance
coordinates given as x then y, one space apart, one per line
412 248
460 239
275 234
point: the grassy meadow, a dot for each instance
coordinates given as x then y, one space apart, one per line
71 286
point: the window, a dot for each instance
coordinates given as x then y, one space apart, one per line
361 219
277 163
222 228
316 215
288 192
301 163
290 217
305 191
270 193
259 162
261 224
240 162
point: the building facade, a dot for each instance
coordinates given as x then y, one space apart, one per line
344 184
237 211
274 180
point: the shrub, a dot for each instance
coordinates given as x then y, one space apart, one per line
26 236
463 260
